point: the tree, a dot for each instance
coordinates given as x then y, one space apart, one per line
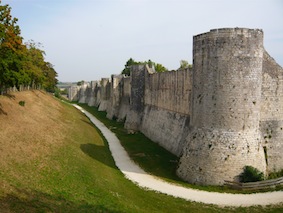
10 49
127 70
184 65
160 68
50 77
21 64
80 83
130 62
35 64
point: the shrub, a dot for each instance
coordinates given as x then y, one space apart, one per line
57 93
274 175
22 103
251 174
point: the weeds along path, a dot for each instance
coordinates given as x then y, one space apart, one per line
134 173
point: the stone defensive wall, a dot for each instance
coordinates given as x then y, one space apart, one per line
271 119
167 110
160 106
224 114
226 97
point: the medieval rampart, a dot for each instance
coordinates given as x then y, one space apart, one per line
222 115
167 108
271 121
169 91
225 106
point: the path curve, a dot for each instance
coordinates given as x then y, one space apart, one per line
134 173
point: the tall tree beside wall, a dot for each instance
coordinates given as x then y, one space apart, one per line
21 64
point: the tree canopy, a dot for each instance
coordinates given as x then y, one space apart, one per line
127 70
185 64
21 64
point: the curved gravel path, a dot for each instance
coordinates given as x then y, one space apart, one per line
144 180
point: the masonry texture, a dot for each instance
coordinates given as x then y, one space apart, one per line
225 106
224 114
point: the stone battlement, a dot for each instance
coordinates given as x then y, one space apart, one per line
223 114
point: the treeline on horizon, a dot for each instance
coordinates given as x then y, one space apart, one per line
22 64
157 67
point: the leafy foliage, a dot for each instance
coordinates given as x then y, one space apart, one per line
57 93
127 70
185 64
22 103
160 68
80 83
21 64
274 175
251 174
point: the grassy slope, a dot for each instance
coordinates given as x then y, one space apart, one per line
54 160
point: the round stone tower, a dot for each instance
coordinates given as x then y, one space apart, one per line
224 135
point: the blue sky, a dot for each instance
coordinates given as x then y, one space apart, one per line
91 39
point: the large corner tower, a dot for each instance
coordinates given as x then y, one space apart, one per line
227 79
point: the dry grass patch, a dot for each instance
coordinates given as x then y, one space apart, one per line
30 131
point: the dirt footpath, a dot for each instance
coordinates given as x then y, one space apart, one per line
144 180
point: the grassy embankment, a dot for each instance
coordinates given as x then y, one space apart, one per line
54 160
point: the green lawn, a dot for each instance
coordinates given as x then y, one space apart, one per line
153 158
79 175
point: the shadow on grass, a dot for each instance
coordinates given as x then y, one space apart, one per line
10 96
33 201
99 153
150 156
2 112
89 123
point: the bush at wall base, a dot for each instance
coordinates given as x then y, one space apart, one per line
251 174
